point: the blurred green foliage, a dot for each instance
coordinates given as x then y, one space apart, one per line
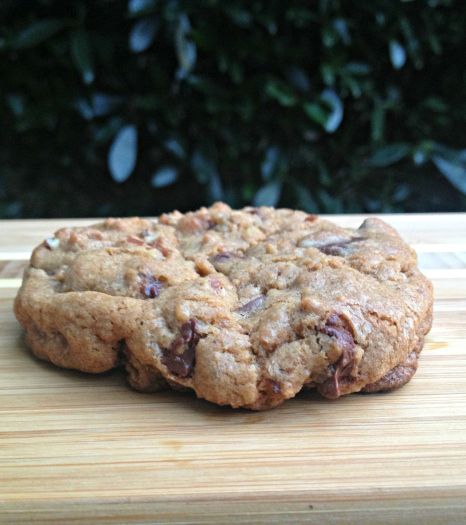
135 107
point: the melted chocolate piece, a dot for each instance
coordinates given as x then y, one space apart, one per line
252 305
179 357
336 326
336 248
269 385
395 377
150 286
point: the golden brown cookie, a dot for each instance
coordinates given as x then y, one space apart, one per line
245 307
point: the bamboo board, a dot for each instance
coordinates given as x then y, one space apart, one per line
87 450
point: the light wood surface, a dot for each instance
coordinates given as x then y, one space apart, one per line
88 450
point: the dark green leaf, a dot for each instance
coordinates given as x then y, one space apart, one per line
329 37
138 8
103 104
419 157
175 147
436 104
186 49
336 116
36 33
215 188
401 192
164 176
388 155
411 41
305 199
329 202
377 121
98 105
142 34
357 68
315 112
330 121
280 92
455 172
397 54
103 132
269 164
341 27
82 55
123 153
268 195
241 17
203 167
354 86
15 103
328 74
324 175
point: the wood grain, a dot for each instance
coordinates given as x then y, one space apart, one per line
87 450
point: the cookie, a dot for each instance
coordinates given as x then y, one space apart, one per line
244 307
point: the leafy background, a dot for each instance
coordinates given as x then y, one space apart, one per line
113 107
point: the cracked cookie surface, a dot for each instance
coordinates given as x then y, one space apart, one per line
245 307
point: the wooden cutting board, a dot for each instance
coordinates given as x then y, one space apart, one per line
85 450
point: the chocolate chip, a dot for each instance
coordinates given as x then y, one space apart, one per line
311 218
338 327
336 248
150 286
269 386
188 330
395 377
222 257
252 305
179 357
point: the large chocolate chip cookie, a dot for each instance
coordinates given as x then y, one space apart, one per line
244 307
